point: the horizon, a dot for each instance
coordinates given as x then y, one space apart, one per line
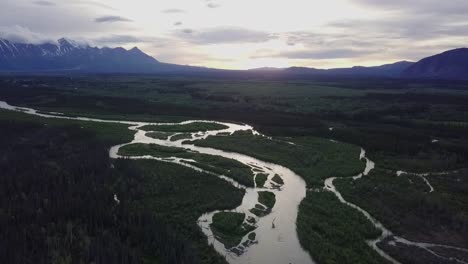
248 35
86 44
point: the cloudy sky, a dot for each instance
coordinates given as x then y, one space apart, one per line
240 34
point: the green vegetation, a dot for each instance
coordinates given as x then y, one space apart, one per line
110 133
335 233
229 228
277 179
313 158
219 165
140 149
191 127
180 196
406 207
396 121
158 135
57 210
267 198
252 236
260 179
181 136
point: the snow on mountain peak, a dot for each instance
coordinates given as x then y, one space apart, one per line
66 42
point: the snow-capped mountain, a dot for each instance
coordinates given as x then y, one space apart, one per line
68 55
10 49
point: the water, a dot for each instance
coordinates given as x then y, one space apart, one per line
273 245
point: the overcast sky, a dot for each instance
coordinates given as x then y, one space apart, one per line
240 34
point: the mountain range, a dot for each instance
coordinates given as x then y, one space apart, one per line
70 57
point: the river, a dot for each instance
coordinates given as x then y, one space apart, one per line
276 236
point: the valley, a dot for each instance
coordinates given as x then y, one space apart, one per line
309 134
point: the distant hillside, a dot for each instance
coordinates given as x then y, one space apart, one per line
450 65
387 70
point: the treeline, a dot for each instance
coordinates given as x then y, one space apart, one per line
405 205
57 205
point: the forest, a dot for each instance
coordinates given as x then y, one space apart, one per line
59 211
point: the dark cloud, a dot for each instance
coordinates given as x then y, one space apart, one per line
44 3
227 35
312 40
212 4
111 19
452 7
173 11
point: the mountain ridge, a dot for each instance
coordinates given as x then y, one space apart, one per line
451 64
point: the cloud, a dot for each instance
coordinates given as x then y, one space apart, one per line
111 19
226 35
118 40
452 7
212 4
414 28
321 54
93 4
178 23
187 31
173 11
21 34
44 3
122 40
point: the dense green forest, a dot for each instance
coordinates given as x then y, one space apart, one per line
405 205
416 126
57 210
335 233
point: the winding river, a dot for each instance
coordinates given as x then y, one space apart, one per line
276 237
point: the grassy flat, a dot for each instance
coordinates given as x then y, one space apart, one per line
158 135
192 127
181 136
219 165
277 179
312 158
229 228
267 198
260 180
